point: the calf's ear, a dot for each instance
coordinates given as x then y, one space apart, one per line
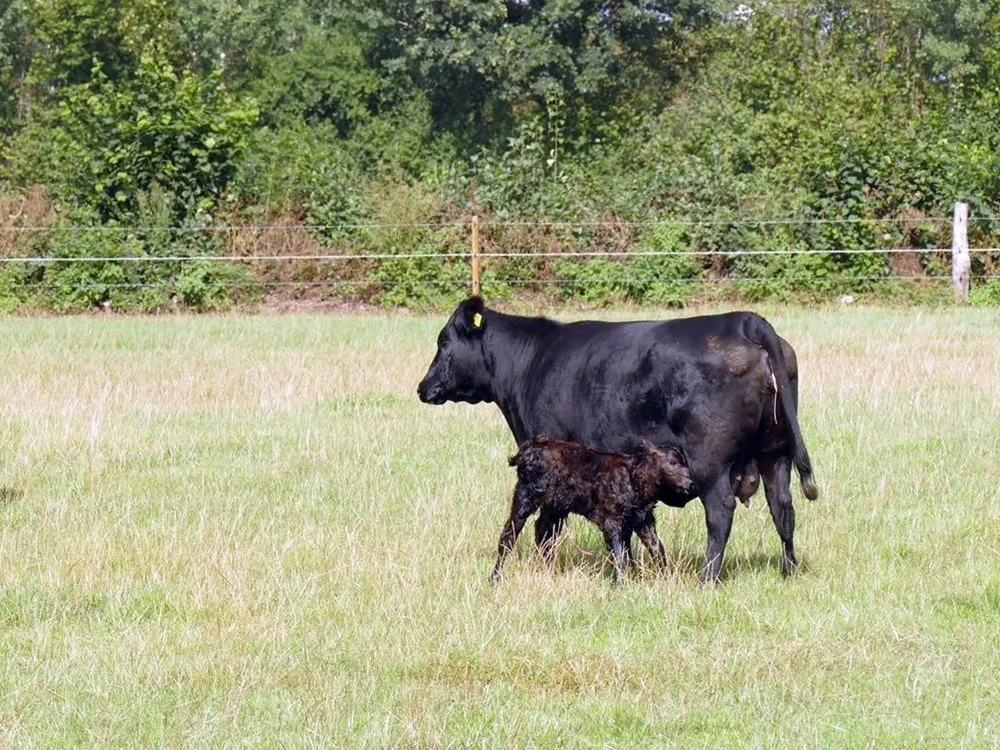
472 316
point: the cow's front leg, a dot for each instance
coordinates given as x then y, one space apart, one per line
548 526
720 504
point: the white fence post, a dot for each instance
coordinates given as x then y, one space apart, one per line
961 265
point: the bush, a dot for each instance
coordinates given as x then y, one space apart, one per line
428 281
84 265
307 170
987 295
106 142
651 279
215 285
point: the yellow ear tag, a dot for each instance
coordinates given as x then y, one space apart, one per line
477 320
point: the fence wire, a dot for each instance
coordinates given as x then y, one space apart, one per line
331 257
465 222
335 283
278 263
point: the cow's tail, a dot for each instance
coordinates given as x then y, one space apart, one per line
764 334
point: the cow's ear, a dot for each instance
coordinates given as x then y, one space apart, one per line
473 315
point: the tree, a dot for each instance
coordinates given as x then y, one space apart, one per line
15 55
70 36
487 65
113 142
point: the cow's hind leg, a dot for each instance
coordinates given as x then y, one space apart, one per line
777 475
521 508
720 503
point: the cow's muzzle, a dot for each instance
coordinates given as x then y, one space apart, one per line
430 393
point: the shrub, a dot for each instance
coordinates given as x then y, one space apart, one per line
987 295
106 142
215 285
665 279
429 281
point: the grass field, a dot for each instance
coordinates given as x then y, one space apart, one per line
222 531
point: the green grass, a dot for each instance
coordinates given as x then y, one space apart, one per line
222 531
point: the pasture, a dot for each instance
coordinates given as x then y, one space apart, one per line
222 531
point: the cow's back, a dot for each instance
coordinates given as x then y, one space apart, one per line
691 382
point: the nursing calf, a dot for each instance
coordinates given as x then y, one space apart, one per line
617 492
722 388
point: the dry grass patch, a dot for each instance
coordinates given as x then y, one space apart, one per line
229 530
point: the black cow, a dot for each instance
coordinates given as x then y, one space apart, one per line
723 388
615 491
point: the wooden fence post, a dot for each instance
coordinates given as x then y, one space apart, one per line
475 255
961 264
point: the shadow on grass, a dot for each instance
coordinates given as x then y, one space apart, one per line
10 495
680 564
757 562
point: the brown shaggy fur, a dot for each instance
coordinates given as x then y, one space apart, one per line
615 491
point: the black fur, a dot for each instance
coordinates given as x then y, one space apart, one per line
723 388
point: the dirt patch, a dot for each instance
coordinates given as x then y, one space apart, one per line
906 265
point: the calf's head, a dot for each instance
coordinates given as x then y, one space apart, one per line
458 371
663 471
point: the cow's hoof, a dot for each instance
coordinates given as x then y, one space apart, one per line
789 566
710 581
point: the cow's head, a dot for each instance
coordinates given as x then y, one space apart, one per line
458 371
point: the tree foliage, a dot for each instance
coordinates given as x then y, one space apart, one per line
859 122
117 141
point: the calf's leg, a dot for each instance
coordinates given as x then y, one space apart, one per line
646 530
521 508
548 526
616 546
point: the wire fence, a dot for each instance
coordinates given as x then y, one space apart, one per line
494 223
620 254
460 283
346 264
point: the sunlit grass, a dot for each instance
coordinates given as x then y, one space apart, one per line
247 530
